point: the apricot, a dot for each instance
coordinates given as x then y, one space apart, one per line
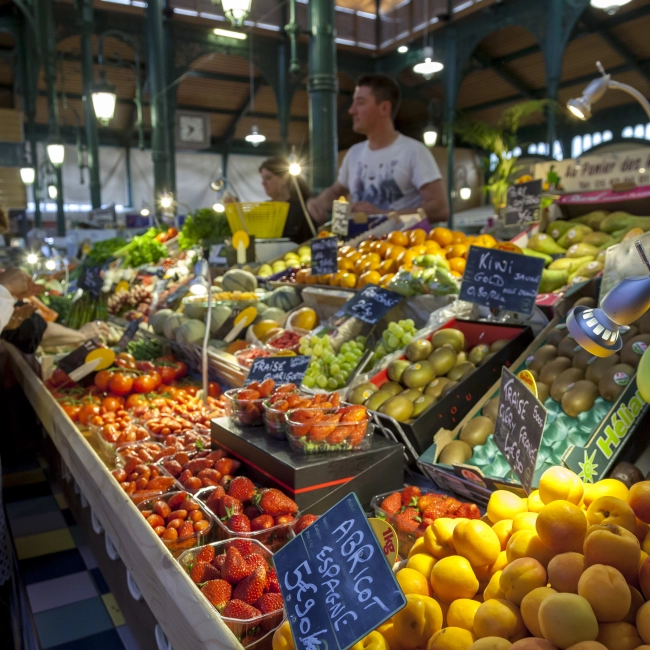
561 526
499 564
438 537
521 577
564 572
560 484
413 582
422 563
505 505
483 576
642 620
636 601
587 645
387 630
461 613
530 608
418 547
535 503
607 487
503 530
417 622
614 546
477 542
499 617
493 589
641 531
644 578
618 636
610 510
452 578
451 638
567 619
607 592
526 543
524 521
639 500
491 643
531 643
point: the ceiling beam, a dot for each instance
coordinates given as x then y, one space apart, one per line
229 134
509 77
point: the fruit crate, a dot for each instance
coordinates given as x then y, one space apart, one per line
449 410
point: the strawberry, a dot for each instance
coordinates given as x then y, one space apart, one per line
228 506
244 546
268 603
239 524
213 499
283 519
435 511
303 522
252 512
275 503
452 505
252 587
272 583
241 488
203 571
255 560
227 466
240 610
469 511
218 562
206 554
262 522
408 520
218 592
392 503
409 494
235 568
428 500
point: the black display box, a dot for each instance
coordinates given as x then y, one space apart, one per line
317 481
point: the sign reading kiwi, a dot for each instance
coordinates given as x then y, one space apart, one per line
522 202
519 427
370 304
501 280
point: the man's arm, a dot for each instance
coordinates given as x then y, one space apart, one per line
434 201
320 205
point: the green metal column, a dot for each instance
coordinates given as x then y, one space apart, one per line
451 92
322 86
171 93
45 22
92 139
554 53
282 94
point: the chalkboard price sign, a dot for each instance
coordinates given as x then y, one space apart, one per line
370 304
91 279
341 217
519 427
283 370
323 255
501 280
336 583
130 331
523 202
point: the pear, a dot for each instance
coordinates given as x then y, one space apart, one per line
620 220
601 256
587 270
557 228
552 280
531 253
593 219
582 250
574 235
569 264
543 243
600 239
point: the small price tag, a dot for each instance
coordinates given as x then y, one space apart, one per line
523 202
387 538
336 583
88 357
91 279
501 280
283 370
370 304
324 252
519 427
341 217
129 333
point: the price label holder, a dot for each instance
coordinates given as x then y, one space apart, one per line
91 279
283 370
501 280
336 583
130 331
370 304
341 217
324 252
523 203
387 538
88 357
519 427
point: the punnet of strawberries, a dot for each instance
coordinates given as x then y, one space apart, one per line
199 469
244 406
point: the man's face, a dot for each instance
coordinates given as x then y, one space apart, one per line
365 110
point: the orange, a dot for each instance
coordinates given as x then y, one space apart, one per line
388 266
369 277
365 246
562 527
348 280
382 247
420 249
441 235
355 256
375 247
335 280
385 279
406 257
235 346
311 278
447 250
456 274
458 237
373 257
398 238
345 264
457 264
431 246
346 250
395 251
458 250
417 236
413 582
301 276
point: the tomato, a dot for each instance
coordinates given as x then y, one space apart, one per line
112 404
125 360
72 411
144 384
87 411
135 400
103 378
145 366
59 378
214 390
91 398
167 374
181 370
121 384
156 377
191 390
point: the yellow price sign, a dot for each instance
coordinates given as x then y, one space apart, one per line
387 538
241 236
528 379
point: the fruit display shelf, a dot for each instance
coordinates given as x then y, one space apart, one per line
315 482
188 622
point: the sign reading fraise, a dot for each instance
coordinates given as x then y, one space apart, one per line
283 370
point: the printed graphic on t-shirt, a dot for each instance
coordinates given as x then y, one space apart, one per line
377 187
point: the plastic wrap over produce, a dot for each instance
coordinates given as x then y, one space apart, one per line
623 261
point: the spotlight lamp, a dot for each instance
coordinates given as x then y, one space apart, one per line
145 212
236 11
428 67
27 175
255 137
609 6
104 99
50 265
52 191
32 259
430 136
219 207
294 165
56 152
403 49
465 193
166 201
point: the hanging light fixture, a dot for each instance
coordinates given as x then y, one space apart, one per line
52 191
430 136
609 6
465 193
55 151
294 165
104 99
166 201
428 67
27 175
236 11
403 49
255 137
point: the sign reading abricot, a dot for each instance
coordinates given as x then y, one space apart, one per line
523 203
370 304
519 427
501 280
324 252
336 583
283 370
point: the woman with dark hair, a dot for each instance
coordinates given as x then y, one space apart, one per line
279 186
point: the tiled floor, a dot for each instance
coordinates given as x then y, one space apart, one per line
72 606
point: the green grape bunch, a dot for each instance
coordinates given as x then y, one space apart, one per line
328 370
395 337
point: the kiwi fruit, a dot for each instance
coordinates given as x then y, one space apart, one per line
551 371
596 368
396 368
556 336
421 404
418 350
418 375
627 473
450 336
458 373
565 381
442 360
451 385
461 357
582 358
478 353
359 394
643 323
633 350
491 408
477 431
435 388
455 452
534 373
392 387
567 347
411 393
542 356
615 380
580 398
543 391
630 334
497 345
377 399
399 407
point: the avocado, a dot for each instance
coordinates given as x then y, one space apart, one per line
614 381
376 400
418 374
478 353
436 387
633 350
543 355
455 452
359 394
627 473
399 407
391 387
580 398
477 431
449 335
491 408
458 373
596 369
565 381
421 404
552 370
418 350
442 360
396 369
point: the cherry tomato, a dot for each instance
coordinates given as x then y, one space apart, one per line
214 390
72 411
191 390
121 384
103 378
125 360
59 378
156 377
126 356
167 374
145 366
112 404
144 384
181 370
87 411
135 400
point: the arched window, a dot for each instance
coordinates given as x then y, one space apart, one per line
557 150
586 141
597 138
607 136
532 148
639 131
576 146
628 132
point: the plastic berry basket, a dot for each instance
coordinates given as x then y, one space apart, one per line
244 413
253 632
192 455
148 451
316 436
275 421
107 449
144 492
175 426
273 538
197 538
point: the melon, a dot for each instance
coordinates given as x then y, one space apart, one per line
238 280
158 320
172 324
191 332
216 344
274 313
285 298
220 314
195 307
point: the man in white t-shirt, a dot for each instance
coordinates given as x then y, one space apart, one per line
389 171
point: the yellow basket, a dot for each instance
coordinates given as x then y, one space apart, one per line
264 220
